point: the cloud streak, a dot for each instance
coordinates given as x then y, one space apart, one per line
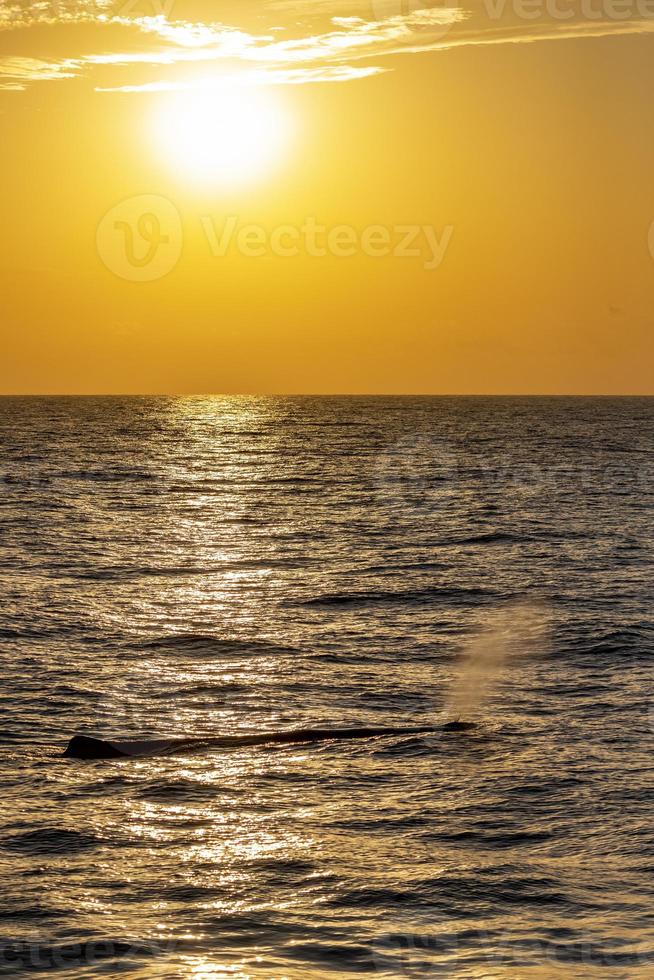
289 76
119 42
19 14
19 71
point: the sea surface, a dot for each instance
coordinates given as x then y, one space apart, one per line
187 566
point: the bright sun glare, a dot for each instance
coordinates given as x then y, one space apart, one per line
223 135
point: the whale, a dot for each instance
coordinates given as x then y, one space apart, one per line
90 747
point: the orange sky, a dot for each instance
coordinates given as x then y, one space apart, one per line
410 199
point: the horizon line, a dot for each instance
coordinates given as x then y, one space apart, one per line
318 394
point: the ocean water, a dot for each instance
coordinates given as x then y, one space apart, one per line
186 566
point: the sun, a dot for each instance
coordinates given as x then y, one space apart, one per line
222 136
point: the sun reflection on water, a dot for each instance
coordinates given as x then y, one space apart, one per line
232 565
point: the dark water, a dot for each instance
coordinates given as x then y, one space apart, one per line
190 566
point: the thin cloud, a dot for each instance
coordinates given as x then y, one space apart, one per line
19 14
23 70
288 76
332 54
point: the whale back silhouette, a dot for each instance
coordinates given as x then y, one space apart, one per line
89 747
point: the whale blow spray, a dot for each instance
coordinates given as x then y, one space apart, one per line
508 632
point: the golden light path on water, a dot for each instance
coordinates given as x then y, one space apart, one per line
204 566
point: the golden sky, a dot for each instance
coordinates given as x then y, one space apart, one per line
330 196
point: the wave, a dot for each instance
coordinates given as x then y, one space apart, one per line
417 566
124 573
492 839
191 690
120 475
462 597
495 537
630 641
50 840
509 537
178 791
26 480
7 633
209 643
32 912
68 691
493 887
118 573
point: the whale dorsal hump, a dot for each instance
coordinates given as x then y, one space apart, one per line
85 747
